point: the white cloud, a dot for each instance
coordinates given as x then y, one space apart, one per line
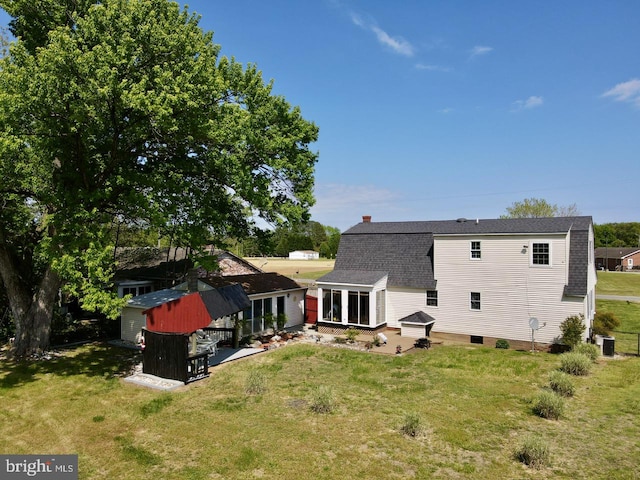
357 20
445 110
626 92
432 68
531 102
479 50
397 44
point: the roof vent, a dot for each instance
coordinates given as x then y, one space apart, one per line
461 220
366 219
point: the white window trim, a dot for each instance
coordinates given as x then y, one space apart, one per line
470 300
537 265
471 250
437 299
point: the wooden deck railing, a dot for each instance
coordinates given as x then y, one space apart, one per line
197 367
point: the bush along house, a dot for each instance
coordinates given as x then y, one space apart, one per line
468 280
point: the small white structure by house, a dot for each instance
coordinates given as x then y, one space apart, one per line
304 255
472 279
132 319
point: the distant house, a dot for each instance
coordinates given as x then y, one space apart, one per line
473 280
269 294
304 255
145 269
617 258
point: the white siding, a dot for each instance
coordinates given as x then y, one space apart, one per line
413 331
512 289
345 289
293 305
131 322
294 308
403 302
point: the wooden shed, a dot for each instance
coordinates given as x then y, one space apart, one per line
171 344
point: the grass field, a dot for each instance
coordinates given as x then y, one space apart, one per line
618 283
473 403
311 269
626 335
474 406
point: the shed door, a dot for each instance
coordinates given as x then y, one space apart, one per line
311 310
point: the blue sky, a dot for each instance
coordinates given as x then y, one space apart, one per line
445 109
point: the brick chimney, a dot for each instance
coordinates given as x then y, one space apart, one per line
192 280
366 219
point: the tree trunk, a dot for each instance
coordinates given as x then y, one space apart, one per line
33 330
32 313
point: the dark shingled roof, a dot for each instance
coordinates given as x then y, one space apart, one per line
224 301
404 250
475 227
615 252
354 277
405 257
419 317
255 283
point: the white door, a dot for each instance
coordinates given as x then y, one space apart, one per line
629 263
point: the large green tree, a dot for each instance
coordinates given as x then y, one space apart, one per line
539 207
124 109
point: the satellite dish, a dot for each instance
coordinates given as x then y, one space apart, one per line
533 323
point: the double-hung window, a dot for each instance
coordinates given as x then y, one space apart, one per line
432 298
475 301
476 253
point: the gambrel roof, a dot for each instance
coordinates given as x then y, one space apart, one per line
404 250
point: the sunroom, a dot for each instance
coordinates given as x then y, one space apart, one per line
352 299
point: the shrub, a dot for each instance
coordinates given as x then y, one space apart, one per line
588 349
256 383
412 425
502 343
572 329
281 321
533 451
561 383
322 399
351 334
575 363
604 323
548 405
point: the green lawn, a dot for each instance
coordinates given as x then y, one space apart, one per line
629 315
474 404
618 283
624 284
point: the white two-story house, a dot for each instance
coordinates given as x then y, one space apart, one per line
478 280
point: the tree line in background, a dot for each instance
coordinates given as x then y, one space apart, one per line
278 242
617 234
